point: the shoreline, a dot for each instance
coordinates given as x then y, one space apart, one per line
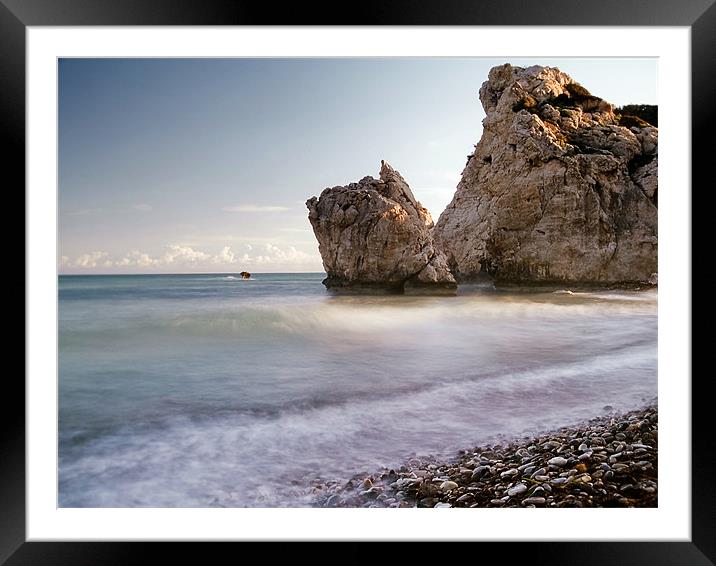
607 461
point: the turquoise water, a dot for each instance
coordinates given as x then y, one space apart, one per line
206 390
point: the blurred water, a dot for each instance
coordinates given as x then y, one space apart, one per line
202 390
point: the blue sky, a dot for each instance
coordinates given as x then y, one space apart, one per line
204 165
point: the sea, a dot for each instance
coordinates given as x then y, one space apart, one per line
206 390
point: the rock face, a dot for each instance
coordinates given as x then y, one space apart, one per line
559 188
374 236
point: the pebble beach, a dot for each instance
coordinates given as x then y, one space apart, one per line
610 461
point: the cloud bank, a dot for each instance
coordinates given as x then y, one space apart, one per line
177 258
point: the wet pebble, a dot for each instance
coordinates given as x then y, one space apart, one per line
517 490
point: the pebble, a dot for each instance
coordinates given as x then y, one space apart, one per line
448 486
519 488
479 471
509 473
558 461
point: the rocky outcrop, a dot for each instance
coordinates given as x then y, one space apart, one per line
559 188
375 236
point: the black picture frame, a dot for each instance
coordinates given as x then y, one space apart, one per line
17 15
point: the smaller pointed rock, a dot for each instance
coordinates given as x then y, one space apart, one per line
374 236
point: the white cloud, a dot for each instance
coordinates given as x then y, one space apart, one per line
135 257
183 254
226 255
269 255
90 260
178 257
143 207
144 260
254 208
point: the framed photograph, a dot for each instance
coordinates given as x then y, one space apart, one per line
388 279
